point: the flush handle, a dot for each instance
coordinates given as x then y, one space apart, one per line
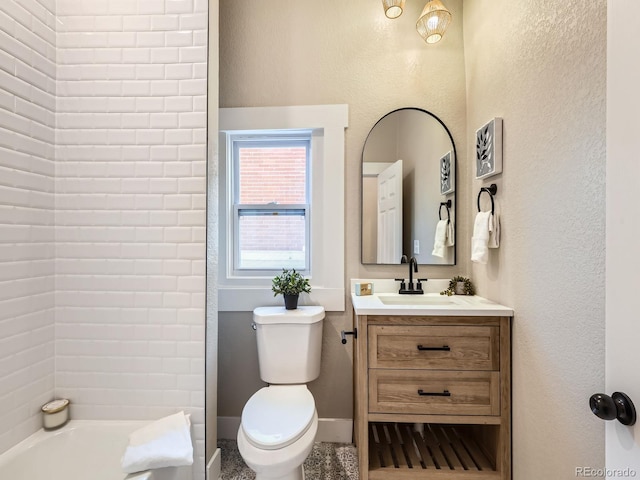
343 335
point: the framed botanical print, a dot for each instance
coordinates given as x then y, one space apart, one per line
489 149
447 174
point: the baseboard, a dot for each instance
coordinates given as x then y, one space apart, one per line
214 467
228 427
334 430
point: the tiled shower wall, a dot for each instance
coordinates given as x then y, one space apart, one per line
130 167
130 208
27 133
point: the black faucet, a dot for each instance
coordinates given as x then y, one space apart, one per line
413 268
413 262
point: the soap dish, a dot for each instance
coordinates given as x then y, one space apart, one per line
55 414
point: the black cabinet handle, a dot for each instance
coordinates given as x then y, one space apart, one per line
422 393
444 348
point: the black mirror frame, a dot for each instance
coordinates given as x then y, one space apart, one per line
455 155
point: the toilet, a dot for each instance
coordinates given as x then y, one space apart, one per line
279 422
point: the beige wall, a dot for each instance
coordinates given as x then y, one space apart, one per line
305 53
544 73
541 66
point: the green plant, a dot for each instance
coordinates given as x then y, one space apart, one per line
290 282
469 289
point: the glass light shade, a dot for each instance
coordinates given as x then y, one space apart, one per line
433 21
393 8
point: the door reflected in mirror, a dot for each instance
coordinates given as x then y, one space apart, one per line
408 179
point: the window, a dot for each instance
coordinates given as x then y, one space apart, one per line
281 174
271 202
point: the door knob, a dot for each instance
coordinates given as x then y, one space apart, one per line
618 405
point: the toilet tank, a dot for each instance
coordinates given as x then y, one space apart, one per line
289 343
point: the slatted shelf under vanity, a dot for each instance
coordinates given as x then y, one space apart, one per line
430 451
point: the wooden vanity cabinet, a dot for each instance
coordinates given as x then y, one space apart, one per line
433 397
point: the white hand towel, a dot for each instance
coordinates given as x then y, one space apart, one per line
494 232
440 239
480 238
451 236
163 443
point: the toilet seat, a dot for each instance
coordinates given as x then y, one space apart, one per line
277 416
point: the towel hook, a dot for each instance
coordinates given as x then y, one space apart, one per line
491 190
445 204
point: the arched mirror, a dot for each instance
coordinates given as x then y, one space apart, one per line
408 187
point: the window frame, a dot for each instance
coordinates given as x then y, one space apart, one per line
269 138
327 125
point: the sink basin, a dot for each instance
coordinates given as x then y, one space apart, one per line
416 300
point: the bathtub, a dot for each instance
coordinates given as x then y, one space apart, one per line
80 450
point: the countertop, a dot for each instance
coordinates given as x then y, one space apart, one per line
429 303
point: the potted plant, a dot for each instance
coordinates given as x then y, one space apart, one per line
459 285
290 284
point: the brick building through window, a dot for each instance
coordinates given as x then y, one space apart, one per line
272 204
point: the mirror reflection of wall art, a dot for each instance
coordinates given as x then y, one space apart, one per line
489 149
447 182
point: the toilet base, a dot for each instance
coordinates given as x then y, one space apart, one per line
297 474
281 464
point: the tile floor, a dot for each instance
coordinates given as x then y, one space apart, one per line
327 461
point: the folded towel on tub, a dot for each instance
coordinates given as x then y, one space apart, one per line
163 443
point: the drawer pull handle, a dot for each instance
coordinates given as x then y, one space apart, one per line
422 393
444 348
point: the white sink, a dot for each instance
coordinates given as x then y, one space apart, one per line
416 300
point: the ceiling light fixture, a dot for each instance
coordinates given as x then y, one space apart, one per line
433 21
393 8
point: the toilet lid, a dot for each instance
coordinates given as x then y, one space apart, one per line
277 416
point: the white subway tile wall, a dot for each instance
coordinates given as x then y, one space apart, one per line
130 209
27 134
102 210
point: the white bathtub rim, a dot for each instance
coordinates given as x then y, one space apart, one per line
43 434
128 426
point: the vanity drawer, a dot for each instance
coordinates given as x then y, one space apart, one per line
434 393
455 347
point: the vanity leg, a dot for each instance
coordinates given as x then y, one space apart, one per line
504 454
361 396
